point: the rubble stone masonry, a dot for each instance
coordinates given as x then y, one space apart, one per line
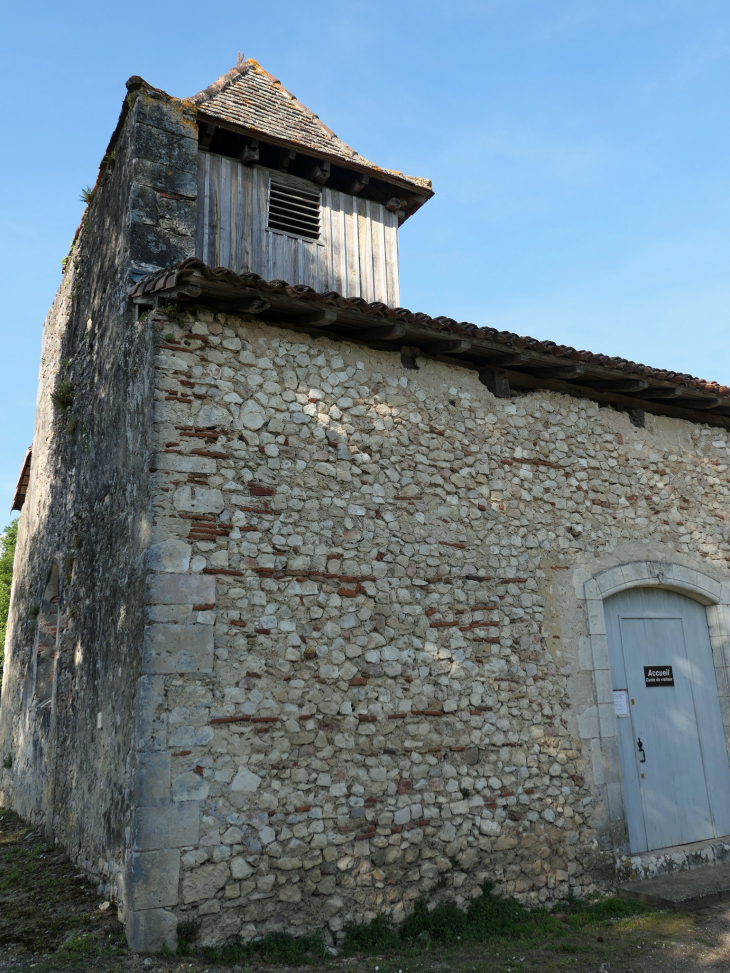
365 674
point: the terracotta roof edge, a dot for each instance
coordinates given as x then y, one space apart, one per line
158 281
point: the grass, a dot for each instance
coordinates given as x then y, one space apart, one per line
186 933
276 947
487 918
173 311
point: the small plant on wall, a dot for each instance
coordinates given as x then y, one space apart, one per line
62 396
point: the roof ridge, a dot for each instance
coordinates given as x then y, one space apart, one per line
223 82
251 64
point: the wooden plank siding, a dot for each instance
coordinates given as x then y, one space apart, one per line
356 255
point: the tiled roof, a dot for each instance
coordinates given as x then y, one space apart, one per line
527 362
250 97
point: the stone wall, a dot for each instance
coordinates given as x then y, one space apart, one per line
75 633
368 686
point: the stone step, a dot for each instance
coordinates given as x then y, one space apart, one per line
684 891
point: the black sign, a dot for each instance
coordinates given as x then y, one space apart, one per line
658 676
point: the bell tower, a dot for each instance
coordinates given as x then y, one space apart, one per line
280 195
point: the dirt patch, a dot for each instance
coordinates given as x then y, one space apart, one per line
51 920
45 906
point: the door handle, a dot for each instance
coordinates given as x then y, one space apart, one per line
640 745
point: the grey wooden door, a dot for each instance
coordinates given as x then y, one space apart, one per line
677 785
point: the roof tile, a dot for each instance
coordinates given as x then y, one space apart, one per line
250 97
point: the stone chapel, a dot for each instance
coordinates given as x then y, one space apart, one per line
321 605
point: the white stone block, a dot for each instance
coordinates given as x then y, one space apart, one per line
152 879
635 571
213 415
599 647
684 576
610 580
174 826
604 685
607 720
596 618
153 779
591 590
180 589
240 868
597 762
177 648
585 656
170 555
195 499
203 883
150 930
580 576
151 716
179 463
588 723
189 787
245 782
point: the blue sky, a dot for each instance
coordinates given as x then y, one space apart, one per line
578 149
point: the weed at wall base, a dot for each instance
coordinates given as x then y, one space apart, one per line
486 918
275 947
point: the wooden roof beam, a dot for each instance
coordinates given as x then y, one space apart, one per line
448 346
384 332
565 372
249 151
519 359
705 403
618 385
320 172
358 184
660 392
285 158
321 318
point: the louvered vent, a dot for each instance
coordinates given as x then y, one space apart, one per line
293 210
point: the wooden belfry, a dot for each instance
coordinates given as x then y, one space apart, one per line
280 195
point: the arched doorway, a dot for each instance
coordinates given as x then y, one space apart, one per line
674 761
